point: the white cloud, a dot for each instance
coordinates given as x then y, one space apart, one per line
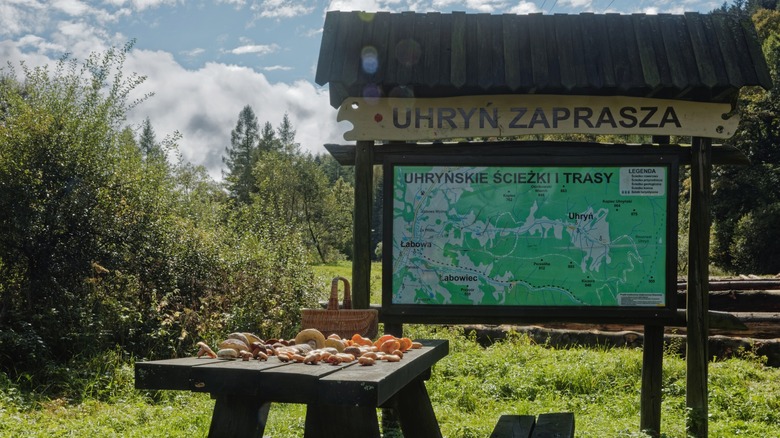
238 4
204 104
74 8
282 8
582 5
22 16
524 8
277 68
260 49
140 5
193 53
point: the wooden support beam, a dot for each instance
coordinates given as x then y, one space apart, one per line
652 379
698 288
364 196
345 154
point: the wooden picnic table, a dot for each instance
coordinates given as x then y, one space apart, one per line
342 400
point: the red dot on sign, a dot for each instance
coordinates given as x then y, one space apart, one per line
378 117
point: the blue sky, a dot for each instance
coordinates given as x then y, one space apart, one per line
205 60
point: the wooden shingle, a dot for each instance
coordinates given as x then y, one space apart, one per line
701 57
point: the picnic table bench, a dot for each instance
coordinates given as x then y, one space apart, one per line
342 400
552 425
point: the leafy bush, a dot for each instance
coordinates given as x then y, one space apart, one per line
105 248
754 245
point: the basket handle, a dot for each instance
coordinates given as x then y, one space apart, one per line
333 302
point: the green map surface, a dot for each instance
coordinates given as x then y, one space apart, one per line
529 236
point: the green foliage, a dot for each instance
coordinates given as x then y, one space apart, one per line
104 248
292 188
745 199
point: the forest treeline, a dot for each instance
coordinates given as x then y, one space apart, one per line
108 243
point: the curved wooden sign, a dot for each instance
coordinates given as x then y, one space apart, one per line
410 119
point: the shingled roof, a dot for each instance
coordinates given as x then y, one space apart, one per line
701 57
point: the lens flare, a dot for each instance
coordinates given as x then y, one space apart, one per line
369 59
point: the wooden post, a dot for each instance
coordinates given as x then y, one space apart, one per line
364 196
698 288
652 377
652 365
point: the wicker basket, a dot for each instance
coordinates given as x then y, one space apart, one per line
344 322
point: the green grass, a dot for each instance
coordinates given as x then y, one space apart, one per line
344 269
470 389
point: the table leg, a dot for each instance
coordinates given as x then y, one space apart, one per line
327 421
415 411
238 416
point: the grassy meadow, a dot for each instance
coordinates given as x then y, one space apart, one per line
470 389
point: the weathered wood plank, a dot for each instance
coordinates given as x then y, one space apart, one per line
458 50
554 425
171 374
446 49
352 46
338 57
484 34
238 416
593 65
697 356
380 31
648 61
404 48
473 67
683 36
716 57
603 47
701 49
677 71
514 426
636 78
550 44
327 421
327 48
364 198
415 412
432 48
567 65
619 51
652 380
512 33
728 49
418 49
581 64
538 50
345 154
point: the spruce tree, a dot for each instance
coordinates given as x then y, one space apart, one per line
242 155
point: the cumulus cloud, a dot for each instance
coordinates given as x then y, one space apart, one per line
22 16
204 104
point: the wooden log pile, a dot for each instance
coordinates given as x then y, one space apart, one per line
753 302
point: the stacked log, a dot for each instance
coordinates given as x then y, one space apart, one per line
753 302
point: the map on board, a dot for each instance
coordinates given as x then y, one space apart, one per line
529 236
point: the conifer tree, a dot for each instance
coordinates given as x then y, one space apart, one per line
150 148
242 156
268 140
